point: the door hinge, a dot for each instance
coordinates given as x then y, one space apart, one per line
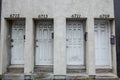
52 36
24 37
85 36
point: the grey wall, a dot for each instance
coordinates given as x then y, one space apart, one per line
117 18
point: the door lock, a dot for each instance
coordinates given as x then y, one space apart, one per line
36 40
66 46
11 46
12 40
36 45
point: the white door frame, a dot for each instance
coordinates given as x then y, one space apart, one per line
83 46
39 53
109 45
12 43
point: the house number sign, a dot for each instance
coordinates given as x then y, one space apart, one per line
14 15
43 16
76 15
104 16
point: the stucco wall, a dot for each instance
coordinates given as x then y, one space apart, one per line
59 10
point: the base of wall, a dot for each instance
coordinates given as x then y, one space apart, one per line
0 77
13 77
55 77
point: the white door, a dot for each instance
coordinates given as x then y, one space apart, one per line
102 43
44 43
75 43
17 42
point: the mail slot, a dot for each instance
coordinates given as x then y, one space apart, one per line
112 39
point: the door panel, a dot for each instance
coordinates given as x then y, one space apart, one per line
75 43
17 42
44 43
102 43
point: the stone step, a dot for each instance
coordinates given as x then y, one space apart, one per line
13 77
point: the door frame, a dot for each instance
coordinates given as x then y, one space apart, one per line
8 36
110 48
35 20
78 67
16 21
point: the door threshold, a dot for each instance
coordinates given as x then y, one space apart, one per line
16 66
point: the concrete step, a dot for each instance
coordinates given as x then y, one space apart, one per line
13 77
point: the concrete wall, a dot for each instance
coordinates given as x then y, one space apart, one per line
59 10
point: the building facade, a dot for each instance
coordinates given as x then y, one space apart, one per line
117 21
66 39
